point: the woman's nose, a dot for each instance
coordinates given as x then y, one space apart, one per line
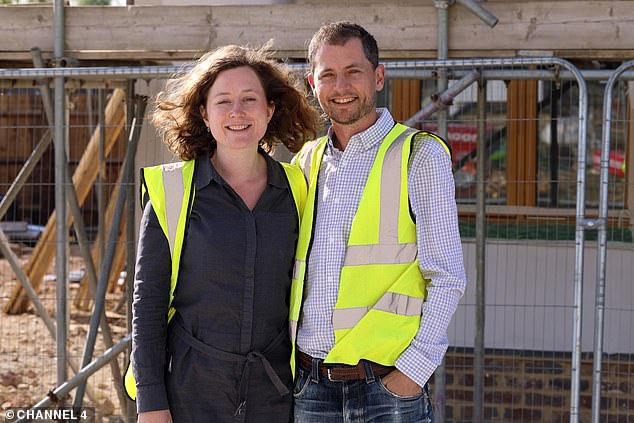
236 109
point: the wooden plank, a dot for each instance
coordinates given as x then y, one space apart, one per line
616 218
83 179
402 30
414 104
521 165
405 101
512 144
529 178
84 297
119 259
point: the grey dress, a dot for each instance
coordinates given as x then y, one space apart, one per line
225 355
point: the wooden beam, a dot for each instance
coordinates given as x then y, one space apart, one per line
85 295
405 101
524 214
403 30
83 178
521 145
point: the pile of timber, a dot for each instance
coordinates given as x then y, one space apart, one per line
83 180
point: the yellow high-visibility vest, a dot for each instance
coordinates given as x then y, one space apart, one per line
381 287
170 188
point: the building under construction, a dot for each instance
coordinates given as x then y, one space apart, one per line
535 98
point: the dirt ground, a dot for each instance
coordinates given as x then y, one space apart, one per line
28 352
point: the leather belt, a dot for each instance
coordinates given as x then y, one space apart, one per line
342 372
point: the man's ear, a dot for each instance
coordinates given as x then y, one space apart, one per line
311 80
379 75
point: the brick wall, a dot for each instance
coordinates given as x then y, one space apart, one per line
534 386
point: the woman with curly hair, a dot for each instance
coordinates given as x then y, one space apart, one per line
217 244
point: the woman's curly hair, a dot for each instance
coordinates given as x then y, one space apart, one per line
177 110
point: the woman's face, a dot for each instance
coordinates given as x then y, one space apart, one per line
237 112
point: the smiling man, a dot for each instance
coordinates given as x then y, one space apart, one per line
379 269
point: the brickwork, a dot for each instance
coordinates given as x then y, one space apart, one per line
528 386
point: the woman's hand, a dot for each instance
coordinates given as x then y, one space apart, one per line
158 416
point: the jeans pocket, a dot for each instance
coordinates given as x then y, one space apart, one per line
401 397
301 383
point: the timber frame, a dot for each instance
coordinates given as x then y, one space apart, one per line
572 29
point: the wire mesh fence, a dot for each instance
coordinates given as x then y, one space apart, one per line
533 368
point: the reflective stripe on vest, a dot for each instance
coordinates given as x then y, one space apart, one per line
390 302
174 189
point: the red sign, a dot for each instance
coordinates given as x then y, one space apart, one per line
461 137
617 162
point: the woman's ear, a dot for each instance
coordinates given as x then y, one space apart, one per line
203 114
271 111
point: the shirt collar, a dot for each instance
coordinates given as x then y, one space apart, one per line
371 136
205 172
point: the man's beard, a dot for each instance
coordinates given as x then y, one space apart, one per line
349 118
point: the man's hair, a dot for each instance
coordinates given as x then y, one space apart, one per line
338 33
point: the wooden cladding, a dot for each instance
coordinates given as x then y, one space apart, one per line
521 150
405 98
592 29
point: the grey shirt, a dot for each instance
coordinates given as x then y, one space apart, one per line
235 273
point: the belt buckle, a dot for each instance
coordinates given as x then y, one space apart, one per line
329 374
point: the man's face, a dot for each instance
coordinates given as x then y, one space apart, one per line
346 84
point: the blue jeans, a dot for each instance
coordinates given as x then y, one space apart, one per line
319 400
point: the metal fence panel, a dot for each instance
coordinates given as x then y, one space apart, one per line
538 254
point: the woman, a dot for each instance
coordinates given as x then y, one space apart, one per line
218 234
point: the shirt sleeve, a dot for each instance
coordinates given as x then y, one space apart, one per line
432 198
149 314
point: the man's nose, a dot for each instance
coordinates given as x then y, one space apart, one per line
341 82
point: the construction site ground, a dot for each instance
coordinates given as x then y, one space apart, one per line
28 368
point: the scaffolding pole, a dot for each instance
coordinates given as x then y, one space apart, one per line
478 343
442 7
602 241
64 388
60 197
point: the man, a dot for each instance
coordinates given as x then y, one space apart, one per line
379 261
